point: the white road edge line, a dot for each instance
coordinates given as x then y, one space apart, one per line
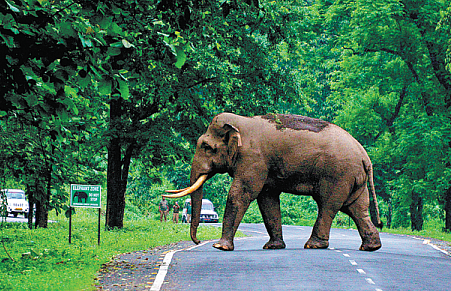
159 279
428 242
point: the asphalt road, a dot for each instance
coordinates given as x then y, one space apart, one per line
19 218
403 263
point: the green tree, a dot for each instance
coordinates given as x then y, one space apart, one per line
393 87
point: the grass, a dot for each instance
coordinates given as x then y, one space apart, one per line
432 229
43 259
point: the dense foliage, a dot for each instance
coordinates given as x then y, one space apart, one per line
117 92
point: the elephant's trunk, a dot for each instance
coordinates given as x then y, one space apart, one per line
196 204
196 201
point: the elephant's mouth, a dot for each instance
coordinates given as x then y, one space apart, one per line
183 192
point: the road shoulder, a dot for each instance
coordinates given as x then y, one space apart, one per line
135 270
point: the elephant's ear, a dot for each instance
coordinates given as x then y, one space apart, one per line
233 140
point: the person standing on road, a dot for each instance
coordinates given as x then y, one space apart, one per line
164 209
188 213
175 212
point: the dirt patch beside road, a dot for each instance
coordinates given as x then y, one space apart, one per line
136 270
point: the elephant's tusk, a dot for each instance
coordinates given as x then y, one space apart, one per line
176 191
189 190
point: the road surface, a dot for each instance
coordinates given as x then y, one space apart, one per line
19 218
403 263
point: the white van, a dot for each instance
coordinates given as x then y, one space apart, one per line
16 202
207 213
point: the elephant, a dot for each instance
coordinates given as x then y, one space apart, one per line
274 153
80 197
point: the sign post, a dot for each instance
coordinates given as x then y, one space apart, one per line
88 196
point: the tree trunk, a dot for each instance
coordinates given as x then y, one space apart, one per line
115 191
389 215
42 209
42 218
31 203
120 152
416 212
448 210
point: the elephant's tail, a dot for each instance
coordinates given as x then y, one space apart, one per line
369 169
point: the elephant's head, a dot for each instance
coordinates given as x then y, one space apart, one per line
216 152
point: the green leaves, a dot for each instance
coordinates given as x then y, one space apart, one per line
388 99
123 89
105 86
181 56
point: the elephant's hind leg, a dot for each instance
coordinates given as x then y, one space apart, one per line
269 204
358 211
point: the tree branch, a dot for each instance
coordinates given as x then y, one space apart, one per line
389 122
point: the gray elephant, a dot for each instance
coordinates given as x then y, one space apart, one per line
267 155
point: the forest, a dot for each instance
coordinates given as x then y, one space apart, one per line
116 93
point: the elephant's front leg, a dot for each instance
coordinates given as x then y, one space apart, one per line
269 204
319 238
238 202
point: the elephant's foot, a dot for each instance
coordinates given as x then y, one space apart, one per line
224 245
274 244
371 245
316 243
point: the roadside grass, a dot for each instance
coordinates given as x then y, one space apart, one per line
431 230
43 259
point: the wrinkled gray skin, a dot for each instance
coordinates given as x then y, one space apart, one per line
267 155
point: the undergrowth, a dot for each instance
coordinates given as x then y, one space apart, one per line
43 259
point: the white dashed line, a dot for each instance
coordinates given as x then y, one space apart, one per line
370 281
259 232
360 271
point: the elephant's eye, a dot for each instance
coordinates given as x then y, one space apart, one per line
208 148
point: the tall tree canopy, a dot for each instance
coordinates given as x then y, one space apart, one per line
88 88
394 90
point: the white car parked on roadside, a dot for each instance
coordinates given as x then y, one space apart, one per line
15 202
207 213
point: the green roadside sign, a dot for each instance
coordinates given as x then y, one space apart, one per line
85 196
